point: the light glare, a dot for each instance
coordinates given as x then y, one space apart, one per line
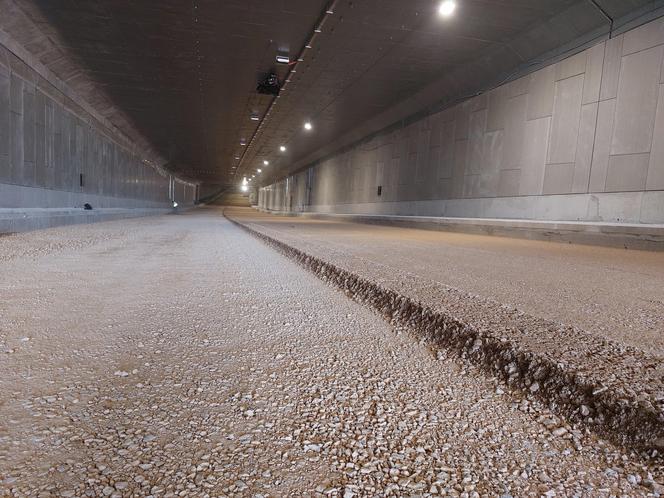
447 8
282 148
308 126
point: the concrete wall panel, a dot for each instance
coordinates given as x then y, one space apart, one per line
571 66
515 130
627 173
29 127
593 75
498 105
611 71
581 139
40 139
604 132
5 124
535 149
446 162
558 178
45 145
460 164
462 120
566 116
644 37
16 130
638 91
584 148
476 158
656 164
518 87
540 93
508 182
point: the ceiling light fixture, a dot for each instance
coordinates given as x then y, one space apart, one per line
308 126
447 8
259 170
266 162
255 117
282 148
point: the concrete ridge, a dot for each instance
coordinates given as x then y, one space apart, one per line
629 414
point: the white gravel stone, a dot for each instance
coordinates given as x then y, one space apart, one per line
352 408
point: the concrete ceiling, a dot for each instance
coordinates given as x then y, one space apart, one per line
182 73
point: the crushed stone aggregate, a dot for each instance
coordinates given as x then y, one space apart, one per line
613 387
179 356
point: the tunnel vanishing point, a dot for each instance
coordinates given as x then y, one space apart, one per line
331 248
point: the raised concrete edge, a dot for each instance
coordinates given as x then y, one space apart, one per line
24 220
640 236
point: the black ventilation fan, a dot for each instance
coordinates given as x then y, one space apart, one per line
269 85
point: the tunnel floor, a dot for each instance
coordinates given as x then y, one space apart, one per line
180 356
614 293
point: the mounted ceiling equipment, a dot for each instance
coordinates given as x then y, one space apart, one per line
269 85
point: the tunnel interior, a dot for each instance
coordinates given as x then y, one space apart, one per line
331 248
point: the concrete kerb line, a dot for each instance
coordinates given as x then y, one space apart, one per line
620 416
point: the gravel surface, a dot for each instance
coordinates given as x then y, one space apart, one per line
616 389
613 293
179 356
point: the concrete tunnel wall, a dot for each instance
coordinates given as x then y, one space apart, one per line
581 139
47 142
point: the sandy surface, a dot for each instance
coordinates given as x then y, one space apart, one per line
613 293
179 356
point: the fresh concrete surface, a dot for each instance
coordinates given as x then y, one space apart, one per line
180 356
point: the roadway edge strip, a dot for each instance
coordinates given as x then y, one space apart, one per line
620 417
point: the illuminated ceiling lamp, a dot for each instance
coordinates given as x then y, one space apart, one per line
447 8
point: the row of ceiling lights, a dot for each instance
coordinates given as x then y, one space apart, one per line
307 126
445 9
